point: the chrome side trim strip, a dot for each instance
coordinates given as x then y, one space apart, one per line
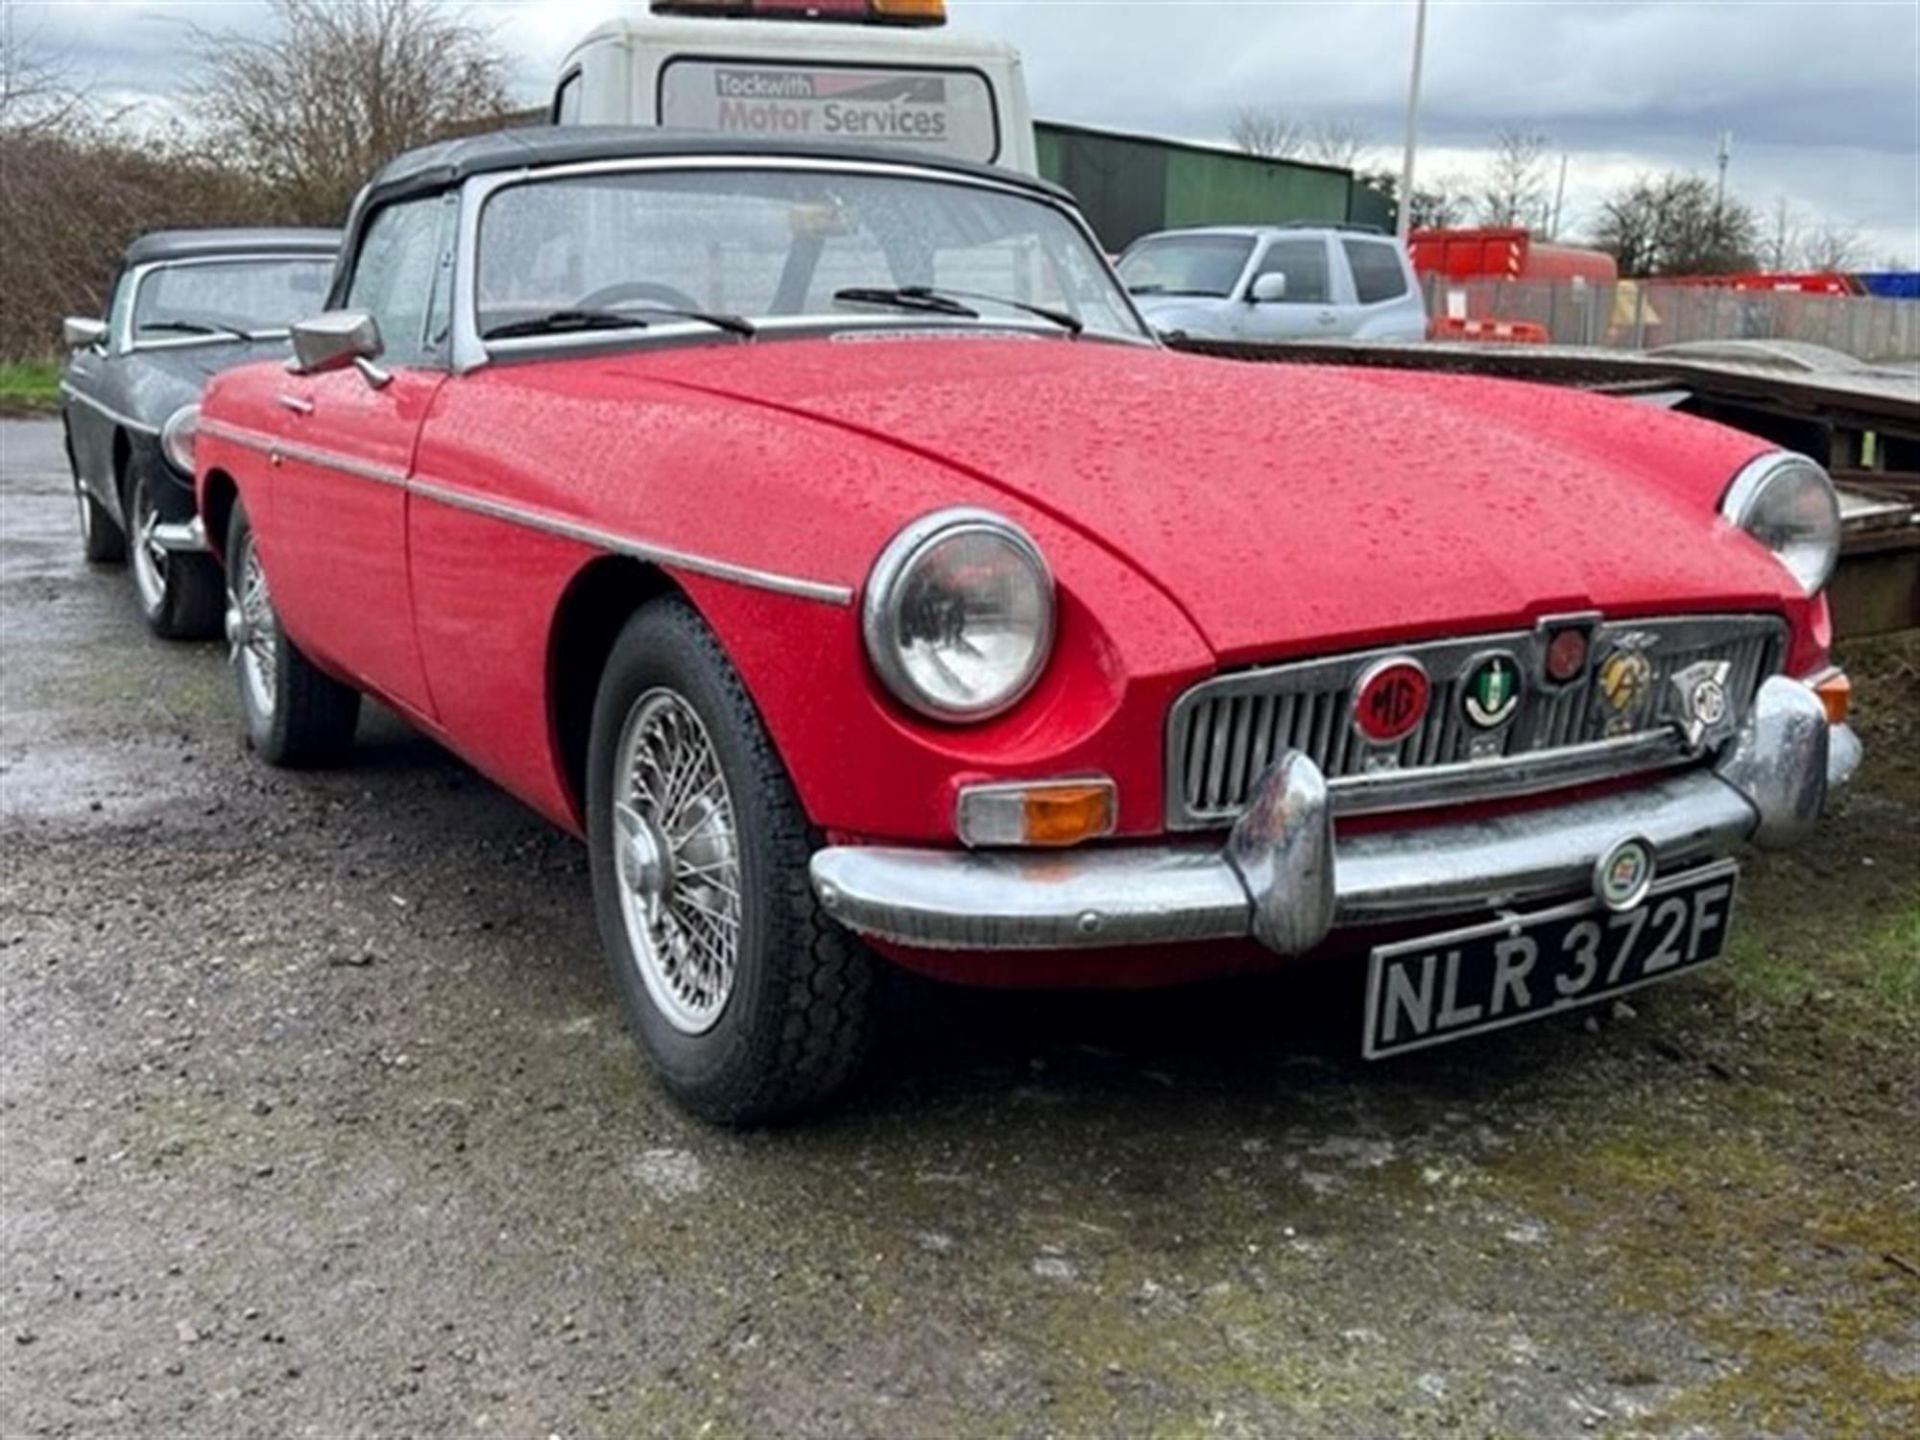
627 545
272 445
107 410
533 519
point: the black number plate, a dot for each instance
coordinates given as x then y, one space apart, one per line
1443 987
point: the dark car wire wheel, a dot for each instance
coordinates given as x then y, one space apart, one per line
179 593
748 1000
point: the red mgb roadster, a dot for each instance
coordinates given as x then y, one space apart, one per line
821 534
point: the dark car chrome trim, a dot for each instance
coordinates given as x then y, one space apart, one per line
533 519
67 389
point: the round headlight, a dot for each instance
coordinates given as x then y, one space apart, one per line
176 437
959 615
1786 502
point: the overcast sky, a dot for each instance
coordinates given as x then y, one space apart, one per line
1822 96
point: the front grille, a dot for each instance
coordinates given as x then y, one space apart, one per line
1223 733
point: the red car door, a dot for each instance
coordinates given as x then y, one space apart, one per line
340 497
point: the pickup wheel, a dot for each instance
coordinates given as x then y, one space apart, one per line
296 716
180 593
747 999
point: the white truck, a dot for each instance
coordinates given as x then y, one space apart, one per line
877 71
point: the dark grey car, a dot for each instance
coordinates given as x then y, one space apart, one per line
185 304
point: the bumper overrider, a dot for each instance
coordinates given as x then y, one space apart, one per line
1285 879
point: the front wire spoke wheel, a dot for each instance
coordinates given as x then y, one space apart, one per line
253 633
676 845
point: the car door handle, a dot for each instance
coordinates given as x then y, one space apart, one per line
1327 317
299 404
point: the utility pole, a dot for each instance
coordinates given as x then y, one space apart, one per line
1559 199
1405 218
1724 154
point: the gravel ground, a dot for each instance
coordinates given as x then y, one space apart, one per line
317 1118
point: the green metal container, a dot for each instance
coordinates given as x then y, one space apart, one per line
1129 185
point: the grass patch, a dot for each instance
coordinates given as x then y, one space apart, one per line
1868 978
29 384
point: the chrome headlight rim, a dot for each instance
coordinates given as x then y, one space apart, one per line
1751 487
879 614
177 437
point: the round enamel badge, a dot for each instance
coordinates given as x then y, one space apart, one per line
1492 691
1390 700
1623 875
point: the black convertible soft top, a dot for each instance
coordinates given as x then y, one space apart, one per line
239 240
433 167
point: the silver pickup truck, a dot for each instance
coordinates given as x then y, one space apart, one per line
1253 282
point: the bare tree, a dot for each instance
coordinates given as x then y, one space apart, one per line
1261 130
1673 224
1833 246
343 87
1515 191
1443 203
1782 244
1340 143
37 93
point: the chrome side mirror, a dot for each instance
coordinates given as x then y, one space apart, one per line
1268 288
336 339
82 331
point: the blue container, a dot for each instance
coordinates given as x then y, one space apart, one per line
1892 284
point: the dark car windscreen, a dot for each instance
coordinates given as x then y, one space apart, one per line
1186 264
249 295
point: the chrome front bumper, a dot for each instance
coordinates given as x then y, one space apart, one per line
1284 879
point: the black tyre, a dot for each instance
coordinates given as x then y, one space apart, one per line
296 716
181 594
101 539
746 998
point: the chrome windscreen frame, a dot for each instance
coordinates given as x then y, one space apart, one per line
470 352
1526 768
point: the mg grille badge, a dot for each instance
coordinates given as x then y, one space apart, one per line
1390 699
1492 691
1702 705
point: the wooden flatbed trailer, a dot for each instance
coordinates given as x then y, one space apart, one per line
1862 422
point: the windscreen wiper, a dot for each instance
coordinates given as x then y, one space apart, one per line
560 322
906 297
1072 324
194 327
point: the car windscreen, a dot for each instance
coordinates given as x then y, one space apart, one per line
786 244
1186 264
221 296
